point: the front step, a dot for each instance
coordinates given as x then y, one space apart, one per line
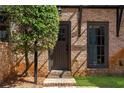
59 78
59 82
59 74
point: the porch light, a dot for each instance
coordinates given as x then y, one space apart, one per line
59 10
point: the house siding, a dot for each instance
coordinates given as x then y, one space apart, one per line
79 44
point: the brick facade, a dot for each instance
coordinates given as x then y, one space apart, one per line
6 64
79 44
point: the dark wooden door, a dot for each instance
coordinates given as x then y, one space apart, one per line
61 52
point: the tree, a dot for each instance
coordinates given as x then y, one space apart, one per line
38 27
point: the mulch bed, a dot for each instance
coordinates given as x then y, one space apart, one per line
23 82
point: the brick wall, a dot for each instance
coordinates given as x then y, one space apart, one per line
42 64
79 44
5 62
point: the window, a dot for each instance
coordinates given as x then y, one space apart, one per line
61 35
97 44
3 29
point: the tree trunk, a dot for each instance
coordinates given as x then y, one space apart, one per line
26 56
35 62
24 27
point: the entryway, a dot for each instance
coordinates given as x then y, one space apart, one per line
60 59
60 56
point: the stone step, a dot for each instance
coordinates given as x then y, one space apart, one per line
53 76
59 74
59 82
59 78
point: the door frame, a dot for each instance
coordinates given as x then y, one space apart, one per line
50 51
107 43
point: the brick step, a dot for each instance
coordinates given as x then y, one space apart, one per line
53 76
58 85
59 74
59 82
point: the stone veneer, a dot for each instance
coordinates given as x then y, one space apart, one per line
79 44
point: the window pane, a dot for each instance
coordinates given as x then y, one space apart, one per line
3 36
102 60
102 30
102 40
98 59
2 27
102 50
97 31
1 18
95 62
98 40
92 36
98 50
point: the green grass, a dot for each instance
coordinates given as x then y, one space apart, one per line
101 81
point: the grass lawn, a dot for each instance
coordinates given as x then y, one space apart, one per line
101 81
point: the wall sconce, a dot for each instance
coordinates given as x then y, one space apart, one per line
59 10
